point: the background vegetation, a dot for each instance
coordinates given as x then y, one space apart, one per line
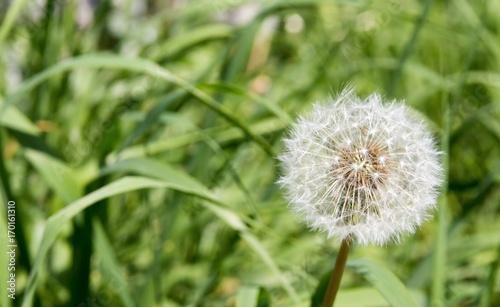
138 139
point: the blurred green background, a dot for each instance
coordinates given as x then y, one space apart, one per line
139 142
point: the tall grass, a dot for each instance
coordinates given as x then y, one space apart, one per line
140 146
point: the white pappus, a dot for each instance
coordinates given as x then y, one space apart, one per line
361 168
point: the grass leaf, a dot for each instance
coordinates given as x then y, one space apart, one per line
56 174
384 281
12 117
137 65
56 221
248 296
110 265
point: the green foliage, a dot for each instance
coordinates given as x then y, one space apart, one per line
140 149
384 281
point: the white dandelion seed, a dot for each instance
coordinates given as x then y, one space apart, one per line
360 168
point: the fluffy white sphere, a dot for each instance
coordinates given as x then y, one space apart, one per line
361 168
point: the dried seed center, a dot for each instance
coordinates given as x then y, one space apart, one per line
360 171
359 168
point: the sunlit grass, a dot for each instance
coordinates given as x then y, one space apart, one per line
140 148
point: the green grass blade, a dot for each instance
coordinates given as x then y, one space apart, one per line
360 297
34 142
238 60
110 266
248 296
254 243
13 118
138 65
8 22
151 117
219 134
237 224
171 178
163 171
438 294
410 46
481 115
57 221
227 88
439 255
477 22
56 174
177 44
388 284
191 186
489 288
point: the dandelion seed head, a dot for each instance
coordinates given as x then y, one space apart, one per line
361 168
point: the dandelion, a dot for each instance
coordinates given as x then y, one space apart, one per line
361 170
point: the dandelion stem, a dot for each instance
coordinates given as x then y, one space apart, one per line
338 270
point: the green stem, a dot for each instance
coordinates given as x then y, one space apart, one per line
438 296
338 270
